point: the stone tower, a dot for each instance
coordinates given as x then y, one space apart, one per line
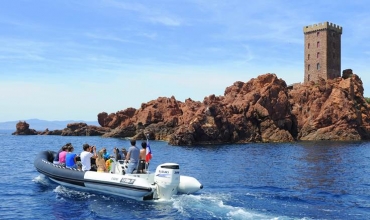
322 51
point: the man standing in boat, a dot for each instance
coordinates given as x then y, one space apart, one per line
133 155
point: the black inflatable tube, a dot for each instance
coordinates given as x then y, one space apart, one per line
44 164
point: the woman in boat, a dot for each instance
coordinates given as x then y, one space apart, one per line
100 162
62 155
71 158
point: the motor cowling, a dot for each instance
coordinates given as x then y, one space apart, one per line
189 185
167 178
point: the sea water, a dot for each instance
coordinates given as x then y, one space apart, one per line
301 180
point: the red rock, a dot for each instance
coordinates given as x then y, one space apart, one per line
331 110
245 113
23 128
263 109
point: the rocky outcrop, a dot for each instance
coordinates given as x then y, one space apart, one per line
331 110
80 129
256 111
23 128
263 109
160 117
73 129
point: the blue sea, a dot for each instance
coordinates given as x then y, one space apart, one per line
303 180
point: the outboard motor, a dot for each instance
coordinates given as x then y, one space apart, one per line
167 178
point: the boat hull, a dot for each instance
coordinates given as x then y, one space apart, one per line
162 184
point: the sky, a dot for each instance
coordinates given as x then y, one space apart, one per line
71 60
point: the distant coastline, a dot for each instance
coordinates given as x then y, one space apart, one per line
41 125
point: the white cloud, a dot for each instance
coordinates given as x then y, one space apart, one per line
165 20
108 37
148 12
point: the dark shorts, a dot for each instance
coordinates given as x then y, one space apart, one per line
142 165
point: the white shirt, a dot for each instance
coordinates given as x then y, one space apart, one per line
86 160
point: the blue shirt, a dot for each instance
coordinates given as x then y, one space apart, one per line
70 159
134 154
106 156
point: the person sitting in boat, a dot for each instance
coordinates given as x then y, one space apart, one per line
62 155
92 159
123 153
117 156
71 158
86 156
100 162
105 154
141 167
56 158
133 156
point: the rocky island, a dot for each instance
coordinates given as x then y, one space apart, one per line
263 109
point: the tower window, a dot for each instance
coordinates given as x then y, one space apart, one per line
308 45
317 33
318 55
318 66
318 43
308 56
308 67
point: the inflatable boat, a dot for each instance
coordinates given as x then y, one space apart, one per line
161 185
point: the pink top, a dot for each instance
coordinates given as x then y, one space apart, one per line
62 157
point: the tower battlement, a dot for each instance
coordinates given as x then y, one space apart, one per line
322 26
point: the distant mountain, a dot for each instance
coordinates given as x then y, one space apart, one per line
41 125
